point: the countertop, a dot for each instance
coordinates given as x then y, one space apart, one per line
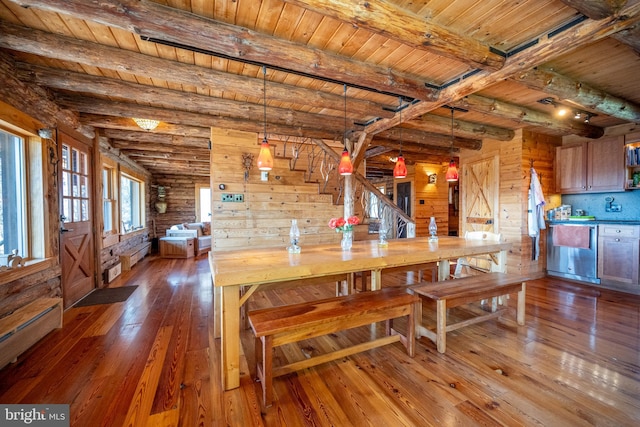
596 221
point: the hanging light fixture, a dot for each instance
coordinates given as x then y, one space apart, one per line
345 167
265 160
147 124
400 169
452 171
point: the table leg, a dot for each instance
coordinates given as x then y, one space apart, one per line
230 337
521 304
376 280
443 270
441 325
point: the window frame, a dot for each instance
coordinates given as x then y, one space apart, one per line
141 203
38 154
110 236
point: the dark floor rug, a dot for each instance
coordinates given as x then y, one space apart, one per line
106 296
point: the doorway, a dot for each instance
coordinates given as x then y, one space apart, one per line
403 200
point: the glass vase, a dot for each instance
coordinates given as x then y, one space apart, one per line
433 230
347 240
294 237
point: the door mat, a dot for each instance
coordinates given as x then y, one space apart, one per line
106 296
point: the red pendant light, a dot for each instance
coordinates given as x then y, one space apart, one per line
345 167
452 171
400 169
265 160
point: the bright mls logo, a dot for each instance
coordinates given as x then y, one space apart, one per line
35 415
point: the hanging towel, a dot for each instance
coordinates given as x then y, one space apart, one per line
535 213
571 236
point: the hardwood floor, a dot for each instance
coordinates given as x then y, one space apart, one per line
151 361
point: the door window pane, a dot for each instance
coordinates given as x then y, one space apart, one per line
13 233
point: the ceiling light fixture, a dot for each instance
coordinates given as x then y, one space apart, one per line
565 110
400 169
345 167
147 124
452 171
265 160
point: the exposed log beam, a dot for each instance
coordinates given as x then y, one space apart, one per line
70 49
34 100
413 148
174 99
521 114
435 139
597 9
586 32
630 37
125 123
390 20
582 94
148 137
153 20
439 124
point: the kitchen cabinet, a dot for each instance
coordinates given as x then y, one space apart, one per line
591 166
619 254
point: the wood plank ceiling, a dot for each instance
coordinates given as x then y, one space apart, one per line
193 64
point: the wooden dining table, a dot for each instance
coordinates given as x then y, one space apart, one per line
237 274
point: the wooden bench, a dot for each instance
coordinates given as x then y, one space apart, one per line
26 326
457 292
131 257
277 326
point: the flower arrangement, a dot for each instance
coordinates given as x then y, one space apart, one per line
341 224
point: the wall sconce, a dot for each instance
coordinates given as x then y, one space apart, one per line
147 124
161 205
433 178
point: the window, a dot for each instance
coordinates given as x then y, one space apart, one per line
13 219
108 201
203 203
131 203
75 185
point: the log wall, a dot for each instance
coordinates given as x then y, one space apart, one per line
180 198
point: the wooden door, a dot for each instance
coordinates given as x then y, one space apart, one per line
480 195
76 214
403 198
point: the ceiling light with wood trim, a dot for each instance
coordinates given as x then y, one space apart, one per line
147 124
265 160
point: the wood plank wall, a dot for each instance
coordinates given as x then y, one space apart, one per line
264 217
431 199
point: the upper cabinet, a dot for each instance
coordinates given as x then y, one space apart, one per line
591 166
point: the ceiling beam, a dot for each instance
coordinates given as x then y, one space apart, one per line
64 48
588 97
437 140
597 9
585 32
174 99
440 124
154 20
126 123
390 20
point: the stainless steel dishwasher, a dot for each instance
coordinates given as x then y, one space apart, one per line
575 263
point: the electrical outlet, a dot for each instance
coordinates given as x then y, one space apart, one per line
238 197
226 197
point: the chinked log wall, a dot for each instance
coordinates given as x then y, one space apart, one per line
264 217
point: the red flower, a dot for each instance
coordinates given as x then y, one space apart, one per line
340 224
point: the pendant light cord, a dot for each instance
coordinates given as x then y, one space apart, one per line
264 93
345 117
400 125
452 137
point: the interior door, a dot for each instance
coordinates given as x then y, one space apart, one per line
480 196
403 198
76 224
